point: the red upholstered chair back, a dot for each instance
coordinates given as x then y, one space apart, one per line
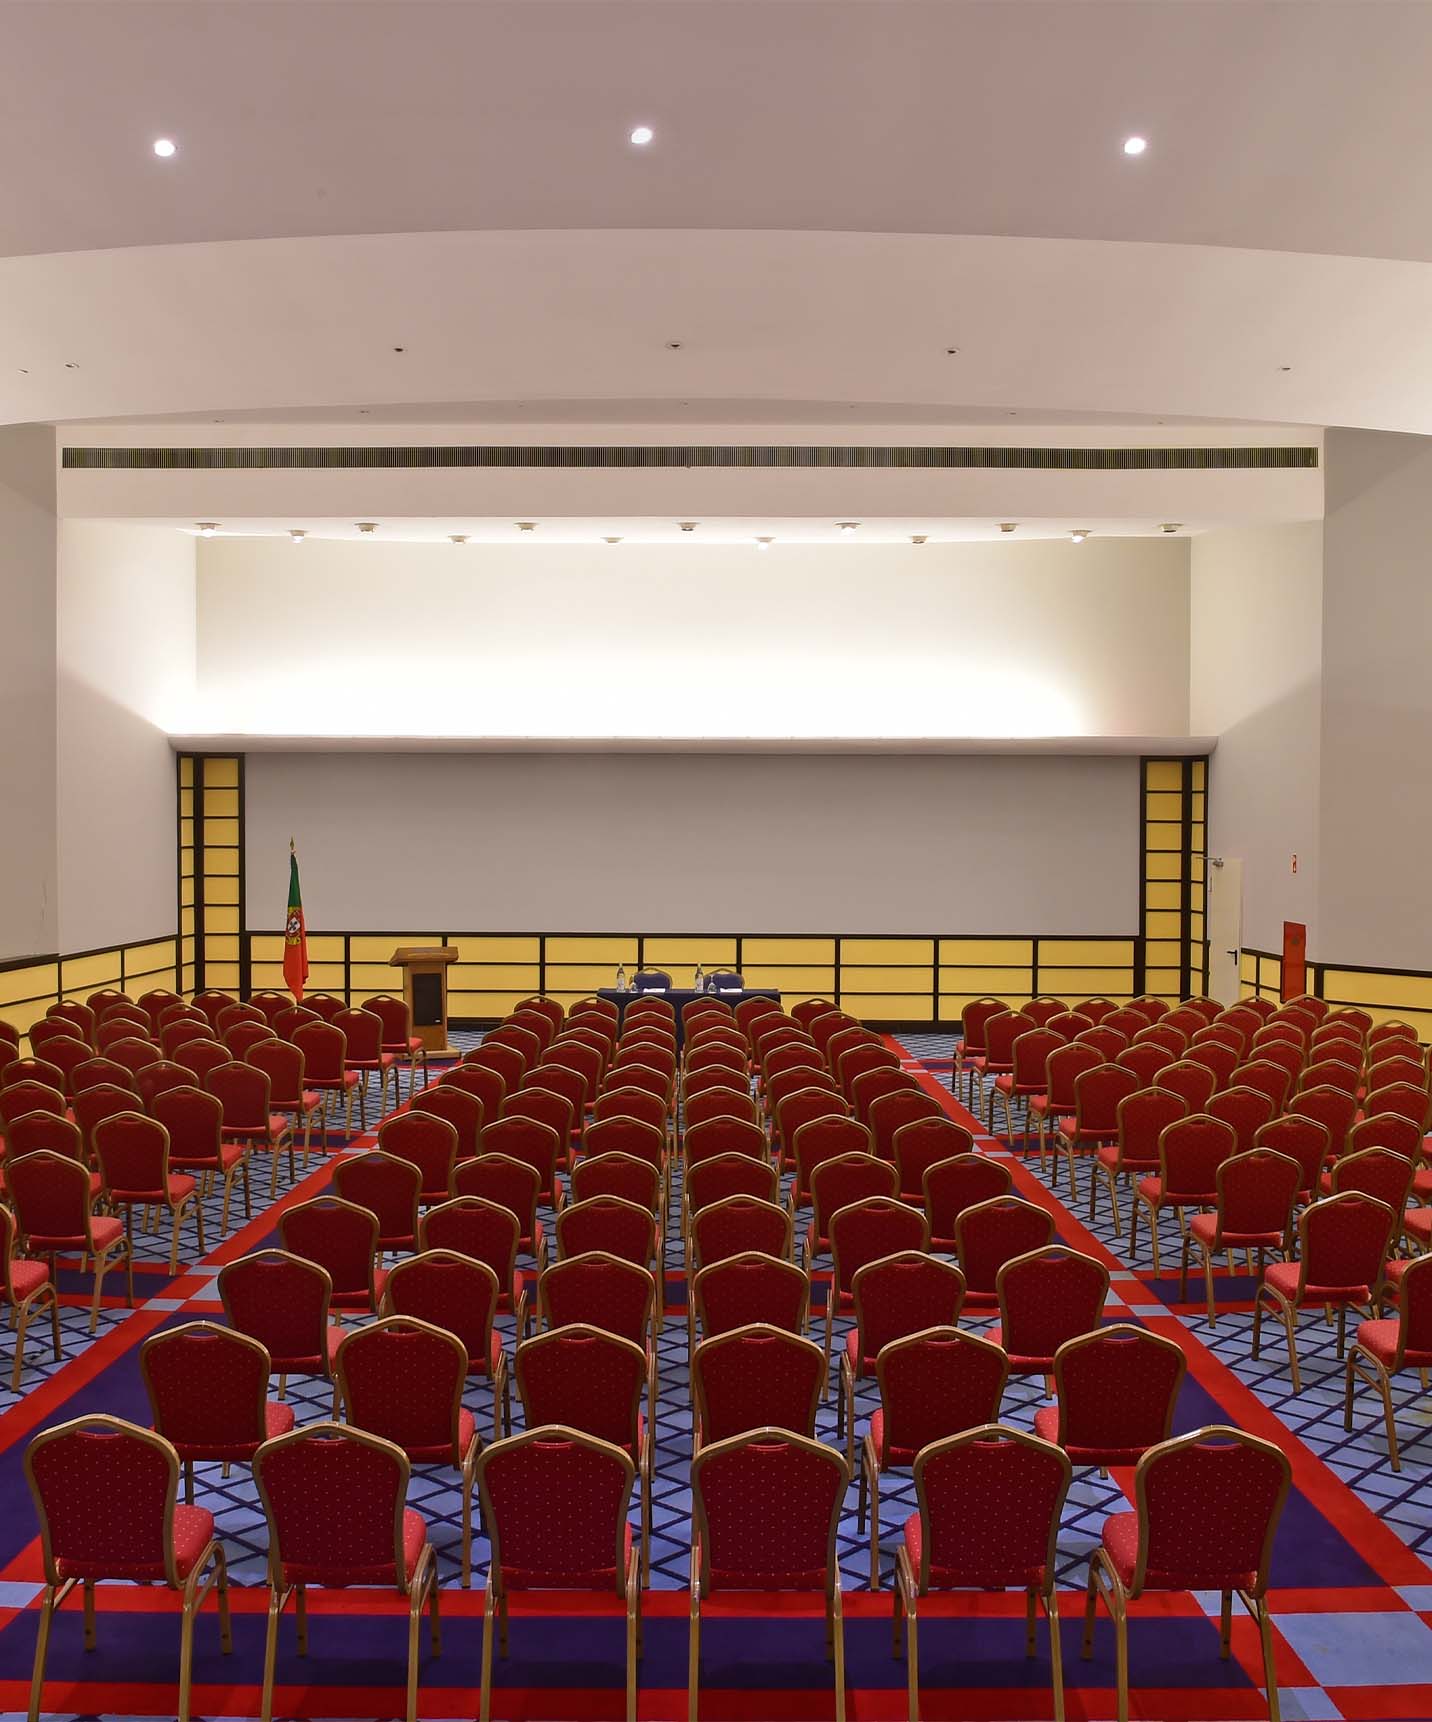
797 1054
287 1022
282 1063
101 1000
194 1120
133 1153
1358 1019
1106 1041
1229 1034
1380 1172
1149 1007
854 1061
756 1377
25 1092
386 1186
1406 1069
836 1183
871 1227
619 1228
237 1013
532 1142
427 1142
624 1096
630 1136
1041 1010
1048 1296
51 1030
766 1505
1393 1029
1402 1099
84 1019
456 1107
1143 1060
1068 1024
973 1018
723 1136
1386 1130
505 1180
1116 1388
994 1232
483 1083
1143 1117
334 1497
583 1060
401 1378
536 1022
44 1132
340 1236
1266 1077
1337 1040
990 1500
554 1012
719 1103
935 1383
874 1085
95 1071
716 1052
324 1049
1343 1241
738 1224
546 1106
1215 1056
519 1039
212 1002
50 1194
281 1300
751 1288
1286 1054
325 1006
1031 1056
1065 1067
1302 1140
825 1139
715 1076
963 1181
1333 1107
471 1226
242 1037
206 1384
891 1112
1127 1020
1187 1018
175 1033
202 1056
1257 1189
1001 1032
798 1079
585 1378
838 1043
244 1092
1246 1109
901 1294
805 1013
104 1493
1190 1152
600 1290
156 1079
559 1080
1194 1083
554 1503
393 1014
1414 1303
1208 1506
68 1055
270 1004
715 1179
1096 1009
103 1101
923 1141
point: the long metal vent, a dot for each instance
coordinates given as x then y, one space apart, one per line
769 455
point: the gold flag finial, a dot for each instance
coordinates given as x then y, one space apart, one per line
290 846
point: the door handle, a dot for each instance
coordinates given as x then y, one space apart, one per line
1232 953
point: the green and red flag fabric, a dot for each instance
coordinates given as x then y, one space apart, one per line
295 934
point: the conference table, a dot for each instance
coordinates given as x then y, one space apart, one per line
678 996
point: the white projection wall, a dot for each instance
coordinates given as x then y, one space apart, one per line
596 641
681 843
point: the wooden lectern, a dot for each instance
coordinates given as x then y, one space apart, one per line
425 970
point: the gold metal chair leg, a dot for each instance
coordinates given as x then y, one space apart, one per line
484 1702
838 1631
42 1646
270 1652
1056 1653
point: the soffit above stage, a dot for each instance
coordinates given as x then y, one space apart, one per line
1082 746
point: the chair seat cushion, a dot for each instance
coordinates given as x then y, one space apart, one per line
477 1366
1204 1228
358 1298
278 1420
440 1453
276 1126
1418 1224
998 1575
26 1278
1379 1340
1020 1363
1152 1190
1282 1277
311 1364
415 1536
228 1156
1046 1427
104 1229
193 1531
602 1578
1121 1545
1005 1084
181 1185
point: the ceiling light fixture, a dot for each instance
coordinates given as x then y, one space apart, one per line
847 526
525 525
764 543
296 534
457 538
688 525
1079 534
207 528
165 147
642 135
1170 526
616 539
918 537
1135 145
1008 525
367 527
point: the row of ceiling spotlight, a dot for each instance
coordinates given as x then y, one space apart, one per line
210 528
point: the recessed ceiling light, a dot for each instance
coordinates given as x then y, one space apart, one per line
207 528
950 352
614 539
1170 526
764 543
642 135
165 147
918 537
1135 145
366 526
1079 534
847 526
525 525
457 538
687 525
297 534
1008 525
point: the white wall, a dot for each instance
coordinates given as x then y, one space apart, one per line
1255 675
126 674
696 843
28 887
392 639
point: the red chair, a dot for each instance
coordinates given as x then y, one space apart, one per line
426 1141
1145 1059
853 1061
282 1063
134 1170
26 1288
997 1059
1265 1077
631 1101
971 1042
286 1023
282 1301
719 1103
555 1505
1095 1122
1070 1024
398 1037
68 1053
243 1092
456 1107
1338 1073
201 1056
835 1184
1115 1390
894 1296
1304 1141
510 1184
738 1224
1401 1100
990 1501
241 1037
862 1231
1255 1195
91 1105
1028 1076
1047 1297
335 1498
1191 1150
621 1175
158 1079
547 1107
212 1002
1215 1055
342 1238
725 1176
933 1384
603 1292
269 1003
560 1080
482 1083
25 1097
823 1140
535 1144
79 1473
325 1069
991 1233
470 1226
40 1070
208 1394
401 1379
1107 1042
195 1124
878 1083
98 1072
390 1189
85 1020
922 1143
584 1378
1207 1507
505 1061
607 1223
765 1509
1194 1083
582 1060
755 1377
629 1136
44 1132
1383 1348
890 1113
1343 1242
801 1108
740 1290
951 1186
723 1136
1246 1109
177 1032
1142 1119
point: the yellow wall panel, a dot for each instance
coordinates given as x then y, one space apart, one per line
1085 983
93 972
979 952
220 804
608 951
879 951
186 770
1163 866
220 918
1162 953
186 833
378 947
1163 774
221 773
1163 838
322 947
1096 953
886 1007
523 949
951 1004
1160 924
998 983
266 947
489 977
220 862
21 1016
186 894
1161 896
679 953
789 979
1166 804
222 833
584 977
221 977
162 980
36 980
220 948
186 863
487 1004
139 957
219 891
1392 992
800 951
863 979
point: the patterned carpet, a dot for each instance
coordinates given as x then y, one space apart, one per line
1352 1602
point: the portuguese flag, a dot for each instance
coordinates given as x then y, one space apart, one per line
295 935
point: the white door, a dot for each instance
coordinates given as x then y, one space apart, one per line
1225 929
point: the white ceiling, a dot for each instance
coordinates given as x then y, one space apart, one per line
838 192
